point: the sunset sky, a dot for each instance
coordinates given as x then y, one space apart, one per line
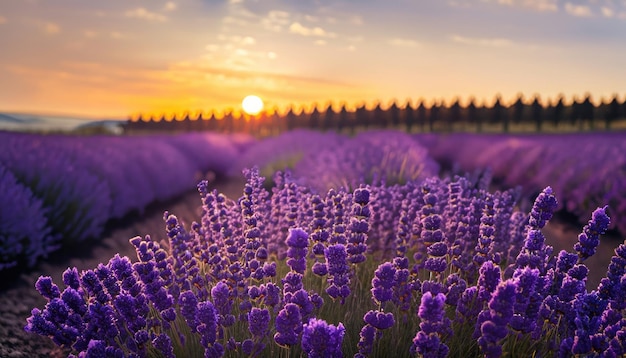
117 58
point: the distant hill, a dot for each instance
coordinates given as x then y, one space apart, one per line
14 119
46 123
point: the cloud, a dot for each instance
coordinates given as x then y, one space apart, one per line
298 28
51 28
3 20
276 20
607 12
537 5
578 10
403 42
90 34
170 6
116 35
142 13
320 42
478 41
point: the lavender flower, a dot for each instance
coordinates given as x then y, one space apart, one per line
427 341
359 226
297 252
493 328
338 271
320 339
589 239
383 283
288 325
207 318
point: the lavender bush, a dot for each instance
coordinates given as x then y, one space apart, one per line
83 182
585 170
24 232
284 151
369 157
299 273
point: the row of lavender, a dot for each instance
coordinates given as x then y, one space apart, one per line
59 189
586 170
432 267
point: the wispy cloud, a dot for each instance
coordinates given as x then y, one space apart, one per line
578 10
51 28
538 5
116 35
3 20
276 20
298 28
481 41
607 11
143 13
400 42
170 6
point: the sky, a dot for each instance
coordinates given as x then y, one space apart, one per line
120 58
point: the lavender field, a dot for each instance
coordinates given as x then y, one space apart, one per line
376 244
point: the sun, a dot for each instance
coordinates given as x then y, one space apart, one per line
252 105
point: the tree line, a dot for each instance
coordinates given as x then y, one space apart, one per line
519 115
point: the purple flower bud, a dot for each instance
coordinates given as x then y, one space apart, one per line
367 338
188 302
320 339
163 344
207 318
47 288
493 327
71 278
320 268
379 320
543 208
438 249
361 196
589 239
258 322
288 325
272 296
431 308
383 282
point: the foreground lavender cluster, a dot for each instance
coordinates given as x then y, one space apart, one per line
431 268
585 170
79 183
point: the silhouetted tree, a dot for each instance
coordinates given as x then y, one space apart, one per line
314 118
433 116
394 115
518 109
421 115
329 117
455 114
587 110
378 117
343 118
557 111
537 113
409 115
362 116
498 115
290 119
472 114
612 113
